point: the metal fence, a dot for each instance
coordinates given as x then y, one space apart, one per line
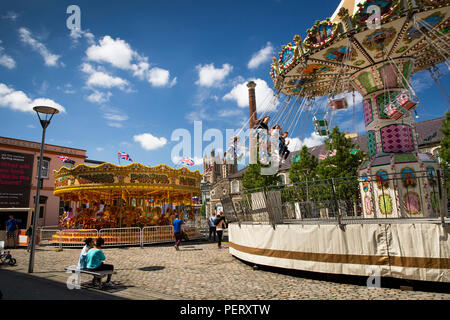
113 236
385 197
120 236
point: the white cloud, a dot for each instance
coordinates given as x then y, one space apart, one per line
209 76
115 124
150 142
115 117
229 113
18 100
313 140
49 58
99 97
119 54
261 56
99 149
6 60
10 15
265 100
31 126
76 34
159 77
98 78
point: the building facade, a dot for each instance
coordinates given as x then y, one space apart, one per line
18 180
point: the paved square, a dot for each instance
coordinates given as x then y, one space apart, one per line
201 271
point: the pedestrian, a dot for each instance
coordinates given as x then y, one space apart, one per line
212 226
177 230
96 260
88 244
11 230
29 234
220 226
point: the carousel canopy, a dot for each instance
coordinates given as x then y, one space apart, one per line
106 182
335 51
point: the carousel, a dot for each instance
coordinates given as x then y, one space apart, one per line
110 196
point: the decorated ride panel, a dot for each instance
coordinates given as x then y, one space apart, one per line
133 176
348 53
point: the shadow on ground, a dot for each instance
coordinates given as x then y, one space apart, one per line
19 286
152 268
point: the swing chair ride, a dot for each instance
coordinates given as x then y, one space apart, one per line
350 53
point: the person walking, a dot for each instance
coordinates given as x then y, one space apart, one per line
177 230
96 260
11 230
212 226
220 226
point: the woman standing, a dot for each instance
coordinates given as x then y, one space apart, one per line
220 226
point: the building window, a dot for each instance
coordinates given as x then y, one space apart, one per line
41 212
235 187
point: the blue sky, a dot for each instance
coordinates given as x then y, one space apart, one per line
139 70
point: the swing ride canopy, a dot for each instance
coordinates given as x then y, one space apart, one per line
108 182
345 53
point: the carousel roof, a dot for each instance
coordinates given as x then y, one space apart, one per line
339 47
109 180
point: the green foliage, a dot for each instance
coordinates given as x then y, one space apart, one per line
253 179
305 168
444 153
203 210
343 164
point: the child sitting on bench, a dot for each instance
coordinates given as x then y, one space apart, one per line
96 258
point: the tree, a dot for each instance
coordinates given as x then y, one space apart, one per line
253 179
344 163
344 158
305 169
444 152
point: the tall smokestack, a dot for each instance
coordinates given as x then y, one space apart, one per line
252 104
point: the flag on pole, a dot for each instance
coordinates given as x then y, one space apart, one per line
188 161
66 159
123 155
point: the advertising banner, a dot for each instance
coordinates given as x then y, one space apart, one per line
15 179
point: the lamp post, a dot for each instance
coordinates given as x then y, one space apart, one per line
47 115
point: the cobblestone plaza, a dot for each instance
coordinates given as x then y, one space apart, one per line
201 271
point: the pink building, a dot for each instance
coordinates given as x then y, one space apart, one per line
18 180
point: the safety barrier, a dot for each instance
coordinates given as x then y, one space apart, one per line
113 236
120 236
157 234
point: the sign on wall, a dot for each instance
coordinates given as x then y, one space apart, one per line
15 179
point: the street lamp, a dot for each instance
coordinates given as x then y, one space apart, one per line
47 114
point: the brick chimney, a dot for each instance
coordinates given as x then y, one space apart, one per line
252 104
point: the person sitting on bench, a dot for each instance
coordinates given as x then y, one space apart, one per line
96 258
82 262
